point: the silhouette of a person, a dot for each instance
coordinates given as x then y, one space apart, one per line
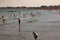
35 35
3 19
19 23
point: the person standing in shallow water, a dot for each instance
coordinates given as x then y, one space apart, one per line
19 23
14 15
35 35
3 19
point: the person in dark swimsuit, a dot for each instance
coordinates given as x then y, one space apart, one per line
19 23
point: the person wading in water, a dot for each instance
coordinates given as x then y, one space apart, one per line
35 35
3 19
19 23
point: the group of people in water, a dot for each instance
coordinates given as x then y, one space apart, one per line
4 20
19 22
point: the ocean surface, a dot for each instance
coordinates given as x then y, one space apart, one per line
45 22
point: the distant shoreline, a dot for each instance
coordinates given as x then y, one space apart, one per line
34 8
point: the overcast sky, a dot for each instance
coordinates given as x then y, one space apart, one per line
28 3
